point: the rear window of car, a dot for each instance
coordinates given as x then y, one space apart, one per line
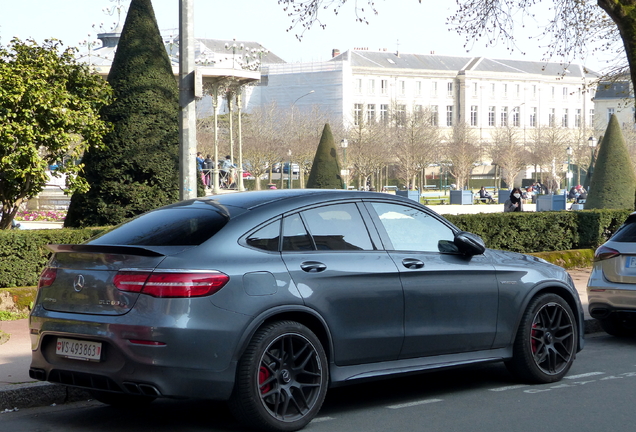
627 232
166 227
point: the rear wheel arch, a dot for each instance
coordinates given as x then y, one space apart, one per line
308 318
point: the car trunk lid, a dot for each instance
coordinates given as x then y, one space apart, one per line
79 278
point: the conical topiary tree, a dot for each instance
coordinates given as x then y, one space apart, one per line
325 171
613 182
138 169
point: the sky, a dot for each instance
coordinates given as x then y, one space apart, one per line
404 25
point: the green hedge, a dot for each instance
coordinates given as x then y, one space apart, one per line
529 232
23 253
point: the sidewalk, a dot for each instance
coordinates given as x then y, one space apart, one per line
18 390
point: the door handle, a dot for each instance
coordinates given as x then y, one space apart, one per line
313 266
412 263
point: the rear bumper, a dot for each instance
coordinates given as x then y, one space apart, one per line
190 363
605 298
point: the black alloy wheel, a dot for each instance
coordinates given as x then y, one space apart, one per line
282 378
546 341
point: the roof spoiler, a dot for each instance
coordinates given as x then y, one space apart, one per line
88 248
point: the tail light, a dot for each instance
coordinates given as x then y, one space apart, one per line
47 277
604 253
171 284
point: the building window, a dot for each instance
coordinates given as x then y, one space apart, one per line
516 118
370 113
610 111
371 86
400 119
533 117
491 116
418 112
534 91
434 115
434 89
564 119
475 89
553 92
418 88
565 93
552 117
449 89
357 114
517 91
359 85
492 91
473 115
577 118
449 115
591 117
402 87
504 116
505 90
384 86
384 113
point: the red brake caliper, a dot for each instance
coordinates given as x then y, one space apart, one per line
263 375
534 335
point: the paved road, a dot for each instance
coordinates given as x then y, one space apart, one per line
597 395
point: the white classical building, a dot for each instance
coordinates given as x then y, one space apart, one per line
482 92
615 97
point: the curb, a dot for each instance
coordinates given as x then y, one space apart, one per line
38 394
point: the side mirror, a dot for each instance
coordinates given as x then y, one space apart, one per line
469 243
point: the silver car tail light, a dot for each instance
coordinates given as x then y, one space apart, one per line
604 253
171 284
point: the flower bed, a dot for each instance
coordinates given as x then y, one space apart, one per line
42 215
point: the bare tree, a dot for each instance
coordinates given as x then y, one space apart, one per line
549 145
369 149
462 152
261 147
417 143
507 152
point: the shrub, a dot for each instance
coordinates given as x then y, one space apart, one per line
325 171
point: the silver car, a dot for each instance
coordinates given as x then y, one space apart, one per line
267 299
611 288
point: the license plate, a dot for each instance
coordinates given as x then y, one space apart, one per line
631 262
78 350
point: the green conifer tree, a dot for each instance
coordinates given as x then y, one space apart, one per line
325 171
613 182
138 170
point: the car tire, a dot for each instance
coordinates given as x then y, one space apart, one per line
282 378
618 325
121 400
546 341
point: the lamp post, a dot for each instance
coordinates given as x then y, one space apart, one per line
345 171
568 175
289 182
590 170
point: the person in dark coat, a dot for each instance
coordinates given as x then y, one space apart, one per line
514 203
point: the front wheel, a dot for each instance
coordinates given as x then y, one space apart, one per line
546 341
281 379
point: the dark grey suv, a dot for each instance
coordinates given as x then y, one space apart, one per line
266 299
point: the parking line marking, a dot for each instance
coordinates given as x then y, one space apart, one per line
321 419
585 375
514 387
412 404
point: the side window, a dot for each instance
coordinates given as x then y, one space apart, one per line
411 229
295 237
266 238
338 227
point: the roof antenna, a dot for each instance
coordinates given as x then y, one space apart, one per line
397 50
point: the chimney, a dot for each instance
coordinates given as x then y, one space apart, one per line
335 52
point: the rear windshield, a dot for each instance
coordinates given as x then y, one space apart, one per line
627 232
166 227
